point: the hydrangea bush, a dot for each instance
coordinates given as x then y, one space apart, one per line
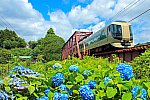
88 79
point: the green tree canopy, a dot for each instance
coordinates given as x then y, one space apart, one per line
5 56
22 51
32 44
9 39
50 46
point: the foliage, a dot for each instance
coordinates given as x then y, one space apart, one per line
58 83
50 46
32 44
141 66
9 39
21 51
5 56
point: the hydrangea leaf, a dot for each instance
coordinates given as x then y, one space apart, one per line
75 92
50 95
148 91
127 96
79 78
31 89
7 89
111 92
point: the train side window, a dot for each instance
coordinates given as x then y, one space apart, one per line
130 31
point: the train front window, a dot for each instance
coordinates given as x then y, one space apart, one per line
116 31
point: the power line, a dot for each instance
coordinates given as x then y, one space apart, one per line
133 7
126 7
8 23
4 23
139 15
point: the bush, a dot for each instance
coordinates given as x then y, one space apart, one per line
141 66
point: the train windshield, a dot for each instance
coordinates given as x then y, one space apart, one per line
116 31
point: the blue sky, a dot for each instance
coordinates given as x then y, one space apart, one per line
32 18
52 5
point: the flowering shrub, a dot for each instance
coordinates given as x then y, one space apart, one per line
60 96
135 92
4 96
58 79
68 83
57 65
107 79
86 93
73 68
125 70
92 84
86 73
47 91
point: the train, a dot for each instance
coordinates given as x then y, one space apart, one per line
116 35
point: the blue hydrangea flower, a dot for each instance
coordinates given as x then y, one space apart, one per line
4 96
144 94
60 96
86 93
92 84
63 87
135 93
42 98
57 65
58 79
126 71
73 68
107 79
86 73
47 91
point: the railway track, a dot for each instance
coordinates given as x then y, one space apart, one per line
126 54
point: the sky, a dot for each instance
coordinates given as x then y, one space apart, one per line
32 18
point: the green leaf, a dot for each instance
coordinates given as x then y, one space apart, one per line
79 78
50 95
75 92
36 95
111 92
101 93
127 96
6 83
69 86
148 91
7 89
31 89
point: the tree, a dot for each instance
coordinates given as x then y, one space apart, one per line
32 44
22 51
5 56
9 39
50 46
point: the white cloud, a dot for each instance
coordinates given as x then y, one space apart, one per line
27 21
31 24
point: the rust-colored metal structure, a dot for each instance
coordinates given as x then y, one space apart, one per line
71 47
126 54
